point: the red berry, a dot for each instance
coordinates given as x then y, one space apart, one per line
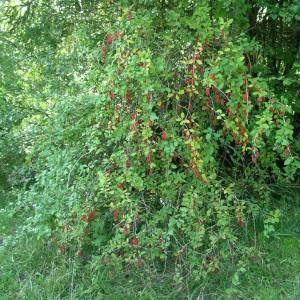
120 186
91 216
242 223
112 95
103 52
164 136
134 116
127 95
139 263
115 216
207 91
134 242
260 99
149 157
242 131
151 173
128 163
142 64
118 34
109 39
229 112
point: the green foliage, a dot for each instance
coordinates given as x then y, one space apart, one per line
35 269
153 131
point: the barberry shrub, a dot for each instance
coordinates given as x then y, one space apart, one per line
165 146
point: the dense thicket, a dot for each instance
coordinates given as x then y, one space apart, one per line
150 132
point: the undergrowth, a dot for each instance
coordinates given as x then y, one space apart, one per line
32 269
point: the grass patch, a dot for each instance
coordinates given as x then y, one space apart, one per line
32 269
